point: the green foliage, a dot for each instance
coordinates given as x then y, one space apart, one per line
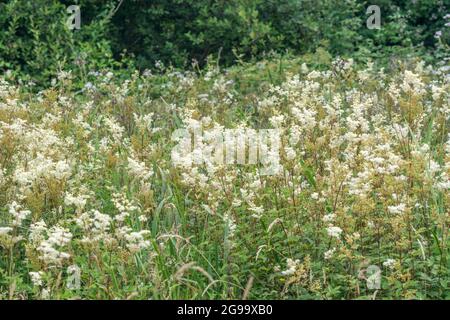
35 43
175 31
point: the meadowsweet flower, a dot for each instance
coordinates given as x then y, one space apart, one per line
144 122
329 217
78 201
39 168
45 293
101 222
329 253
5 230
412 83
334 231
398 209
143 218
136 241
236 203
96 226
230 225
291 267
139 170
37 231
124 206
36 278
114 128
18 215
389 263
290 153
50 249
257 211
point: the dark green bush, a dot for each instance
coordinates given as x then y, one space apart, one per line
175 31
35 43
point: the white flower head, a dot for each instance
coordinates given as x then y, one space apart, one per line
329 253
334 231
5 230
329 217
291 267
36 278
389 263
399 209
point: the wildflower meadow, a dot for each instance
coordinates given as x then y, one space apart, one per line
298 176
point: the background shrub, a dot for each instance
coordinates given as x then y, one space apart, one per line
35 42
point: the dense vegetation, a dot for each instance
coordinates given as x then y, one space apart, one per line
101 197
89 183
35 43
